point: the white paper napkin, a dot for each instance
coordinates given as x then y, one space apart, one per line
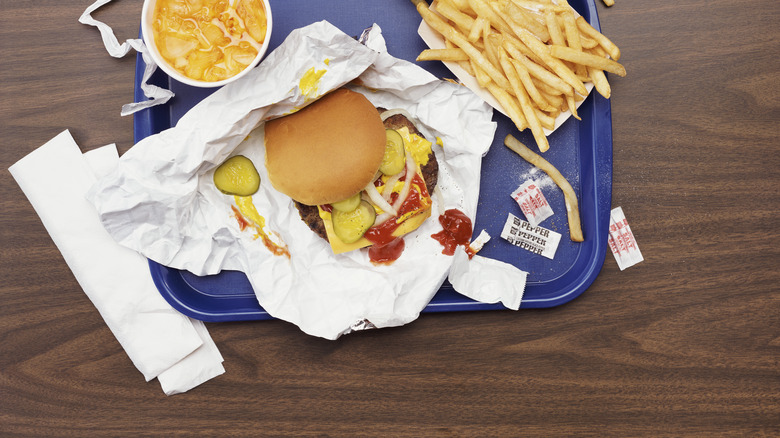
160 341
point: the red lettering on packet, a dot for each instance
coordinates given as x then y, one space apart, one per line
532 202
621 240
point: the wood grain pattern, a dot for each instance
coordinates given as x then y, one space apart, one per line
684 344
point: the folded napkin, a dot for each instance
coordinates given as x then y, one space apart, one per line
160 342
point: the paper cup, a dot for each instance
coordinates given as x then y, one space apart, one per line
147 18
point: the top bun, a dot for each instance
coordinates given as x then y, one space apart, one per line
326 152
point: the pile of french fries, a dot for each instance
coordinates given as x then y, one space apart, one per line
533 56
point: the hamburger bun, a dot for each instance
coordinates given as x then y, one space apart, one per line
327 151
430 172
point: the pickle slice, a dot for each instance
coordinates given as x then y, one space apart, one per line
237 176
350 226
394 160
348 204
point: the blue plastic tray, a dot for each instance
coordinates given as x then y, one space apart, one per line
582 151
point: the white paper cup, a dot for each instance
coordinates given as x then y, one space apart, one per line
147 17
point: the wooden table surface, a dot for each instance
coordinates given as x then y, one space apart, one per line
685 343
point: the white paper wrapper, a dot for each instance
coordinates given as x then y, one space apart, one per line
161 200
156 95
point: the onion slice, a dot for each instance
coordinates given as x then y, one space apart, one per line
378 200
410 171
389 184
391 112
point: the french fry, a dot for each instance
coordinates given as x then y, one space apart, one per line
519 47
551 95
522 18
545 6
483 9
572 107
570 197
525 103
452 55
491 51
544 75
609 2
457 38
556 36
455 14
478 29
548 122
587 43
482 78
590 31
573 40
600 82
510 105
542 51
529 85
466 65
590 60
462 5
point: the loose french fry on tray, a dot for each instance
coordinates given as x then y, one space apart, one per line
570 197
533 56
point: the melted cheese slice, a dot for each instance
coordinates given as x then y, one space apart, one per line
339 247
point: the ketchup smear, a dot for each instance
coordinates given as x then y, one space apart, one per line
387 253
456 231
388 248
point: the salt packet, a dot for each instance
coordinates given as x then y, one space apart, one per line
532 202
621 240
538 240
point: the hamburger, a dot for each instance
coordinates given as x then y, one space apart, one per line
359 176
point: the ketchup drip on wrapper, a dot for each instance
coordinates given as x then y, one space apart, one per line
387 253
456 231
386 248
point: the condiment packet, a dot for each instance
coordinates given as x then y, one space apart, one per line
538 240
156 95
621 240
487 280
532 202
160 341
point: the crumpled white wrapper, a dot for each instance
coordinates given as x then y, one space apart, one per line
156 95
161 200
